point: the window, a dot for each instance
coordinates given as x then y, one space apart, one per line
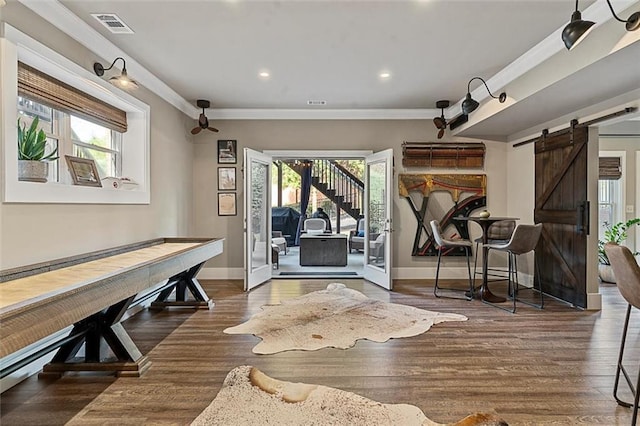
610 209
74 136
82 115
28 110
97 143
610 190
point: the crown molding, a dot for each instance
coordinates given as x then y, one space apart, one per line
322 114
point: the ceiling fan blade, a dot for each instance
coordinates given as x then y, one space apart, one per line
196 130
440 122
440 133
213 129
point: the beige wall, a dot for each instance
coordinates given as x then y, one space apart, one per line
38 232
372 135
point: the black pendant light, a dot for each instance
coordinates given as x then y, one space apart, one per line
576 30
469 104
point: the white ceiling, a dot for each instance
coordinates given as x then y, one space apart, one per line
335 50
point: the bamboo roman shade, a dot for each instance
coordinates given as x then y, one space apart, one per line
609 168
40 87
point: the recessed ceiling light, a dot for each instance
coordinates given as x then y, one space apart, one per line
385 74
264 74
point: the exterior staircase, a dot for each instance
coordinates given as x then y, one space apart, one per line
336 183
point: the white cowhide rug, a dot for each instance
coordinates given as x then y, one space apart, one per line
336 317
250 397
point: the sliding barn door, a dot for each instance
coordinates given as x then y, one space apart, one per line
561 206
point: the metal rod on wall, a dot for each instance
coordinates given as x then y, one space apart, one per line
625 111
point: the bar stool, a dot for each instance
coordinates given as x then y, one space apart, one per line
441 244
627 273
497 233
524 240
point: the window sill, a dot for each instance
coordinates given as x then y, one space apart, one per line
32 192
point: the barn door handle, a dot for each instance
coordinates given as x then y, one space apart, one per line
582 224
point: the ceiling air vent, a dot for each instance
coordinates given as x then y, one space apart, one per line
312 102
113 23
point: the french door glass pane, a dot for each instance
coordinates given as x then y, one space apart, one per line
377 213
259 225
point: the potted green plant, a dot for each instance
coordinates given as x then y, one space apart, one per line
613 234
33 164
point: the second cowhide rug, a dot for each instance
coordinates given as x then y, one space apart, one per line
250 397
336 317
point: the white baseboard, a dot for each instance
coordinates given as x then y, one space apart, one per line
403 273
429 273
594 301
221 274
445 273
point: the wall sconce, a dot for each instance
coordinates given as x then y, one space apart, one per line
469 104
577 29
122 81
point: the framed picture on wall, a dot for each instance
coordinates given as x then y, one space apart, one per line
227 204
227 151
226 178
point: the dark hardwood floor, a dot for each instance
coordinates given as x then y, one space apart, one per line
554 366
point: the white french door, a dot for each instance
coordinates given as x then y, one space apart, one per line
378 208
257 218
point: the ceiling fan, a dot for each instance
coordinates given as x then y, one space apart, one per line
441 122
203 121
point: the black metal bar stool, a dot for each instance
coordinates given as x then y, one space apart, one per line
497 233
441 244
627 273
524 240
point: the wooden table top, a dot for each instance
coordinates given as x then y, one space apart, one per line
22 290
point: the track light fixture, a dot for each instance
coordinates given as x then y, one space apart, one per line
469 104
122 81
577 29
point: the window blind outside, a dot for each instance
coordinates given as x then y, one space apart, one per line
609 168
43 88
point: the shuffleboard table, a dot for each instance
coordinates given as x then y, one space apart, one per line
92 292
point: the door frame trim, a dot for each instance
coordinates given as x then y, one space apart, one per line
300 153
277 154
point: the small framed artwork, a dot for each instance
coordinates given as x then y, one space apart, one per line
227 151
226 178
227 204
83 171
